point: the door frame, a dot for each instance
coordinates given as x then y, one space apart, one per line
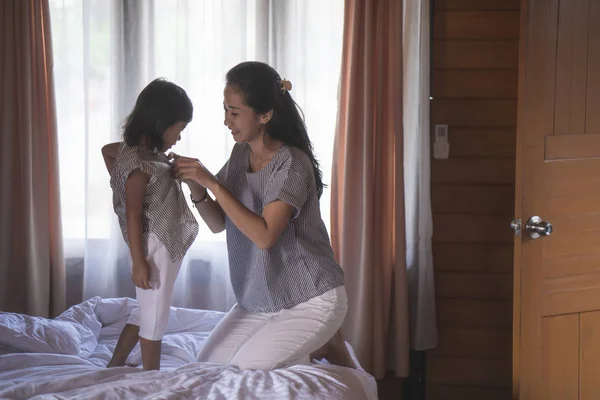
518 210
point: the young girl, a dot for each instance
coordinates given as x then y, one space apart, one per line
290 291
155 220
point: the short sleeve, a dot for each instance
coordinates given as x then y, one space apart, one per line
290 186
129 160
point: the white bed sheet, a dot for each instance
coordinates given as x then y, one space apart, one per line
65 358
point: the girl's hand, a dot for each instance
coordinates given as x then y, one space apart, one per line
140 274
191 169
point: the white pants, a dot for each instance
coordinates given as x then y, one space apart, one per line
152 313
267 341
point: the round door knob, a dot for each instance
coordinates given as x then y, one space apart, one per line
537 227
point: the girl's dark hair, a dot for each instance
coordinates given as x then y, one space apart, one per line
158 106
260 85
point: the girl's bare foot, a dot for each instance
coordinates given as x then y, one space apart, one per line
112 365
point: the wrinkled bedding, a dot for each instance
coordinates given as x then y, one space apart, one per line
65 358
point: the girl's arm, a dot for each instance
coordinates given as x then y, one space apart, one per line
110 152
135 187
210 211
263 230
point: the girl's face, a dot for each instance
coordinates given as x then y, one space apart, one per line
173 134
245 125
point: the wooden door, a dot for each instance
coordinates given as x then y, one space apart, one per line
557 277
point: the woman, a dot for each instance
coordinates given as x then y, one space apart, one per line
289 289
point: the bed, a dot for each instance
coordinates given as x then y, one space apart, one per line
65 358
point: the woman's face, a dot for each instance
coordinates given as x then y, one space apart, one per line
245 125
173 134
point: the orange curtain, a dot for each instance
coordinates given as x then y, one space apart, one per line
367 220
32 272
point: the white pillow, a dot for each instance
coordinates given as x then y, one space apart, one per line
38 335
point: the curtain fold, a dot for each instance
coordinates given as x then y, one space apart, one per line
417 176
366 173
32 272
380 211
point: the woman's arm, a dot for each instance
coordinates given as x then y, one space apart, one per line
110 152
263 230
210 211
135 187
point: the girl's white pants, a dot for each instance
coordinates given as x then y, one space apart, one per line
267 341
152 313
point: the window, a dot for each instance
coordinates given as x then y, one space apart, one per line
105 53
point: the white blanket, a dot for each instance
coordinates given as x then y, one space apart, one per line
65 358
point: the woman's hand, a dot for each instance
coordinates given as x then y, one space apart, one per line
174 157
192 172
191 169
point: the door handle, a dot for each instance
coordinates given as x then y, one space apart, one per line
536 227
515 225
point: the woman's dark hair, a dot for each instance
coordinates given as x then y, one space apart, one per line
158 106
261 88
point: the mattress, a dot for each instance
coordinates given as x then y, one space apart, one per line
66 357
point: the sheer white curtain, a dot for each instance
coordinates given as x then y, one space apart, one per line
106 51
417 187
